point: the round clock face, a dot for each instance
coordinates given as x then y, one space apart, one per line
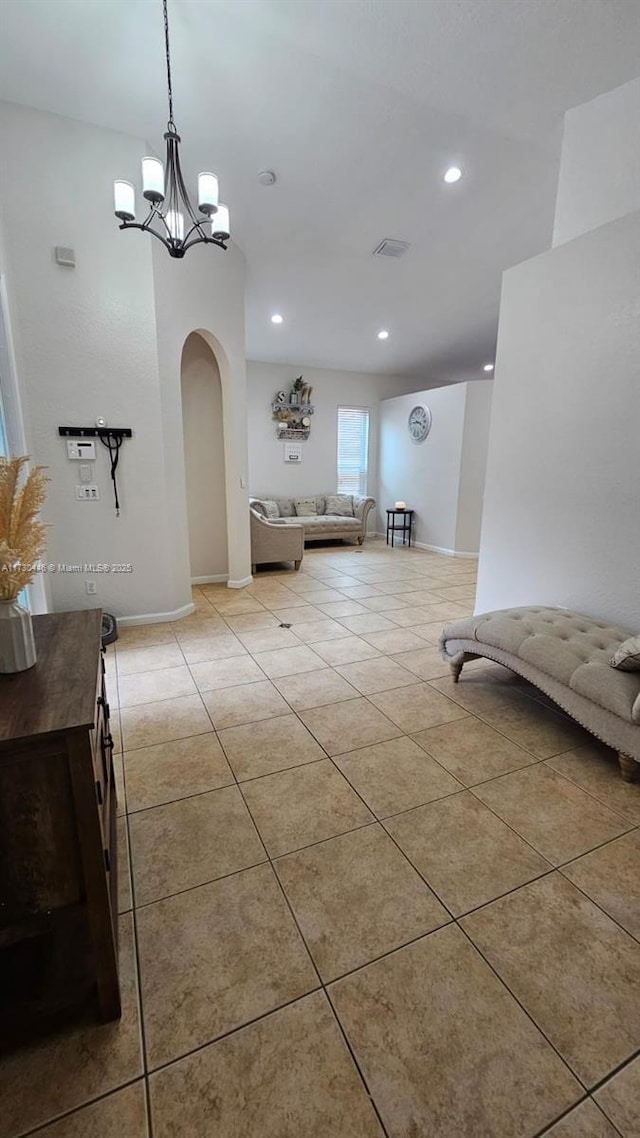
419 423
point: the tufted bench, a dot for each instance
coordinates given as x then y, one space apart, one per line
567 656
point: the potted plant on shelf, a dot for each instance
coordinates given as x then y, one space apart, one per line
21 544
296 388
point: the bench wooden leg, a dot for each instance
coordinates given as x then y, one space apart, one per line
629 768
297 564
456 669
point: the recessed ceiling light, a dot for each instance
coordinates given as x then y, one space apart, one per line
453 174
383 335
488 367
277 318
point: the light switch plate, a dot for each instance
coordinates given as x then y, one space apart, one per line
88 493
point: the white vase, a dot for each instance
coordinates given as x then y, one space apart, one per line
17 646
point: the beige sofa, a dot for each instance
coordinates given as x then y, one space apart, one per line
319 526
272 542
567 656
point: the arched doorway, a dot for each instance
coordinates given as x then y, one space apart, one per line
203 435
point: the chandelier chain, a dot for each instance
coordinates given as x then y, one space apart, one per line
168 56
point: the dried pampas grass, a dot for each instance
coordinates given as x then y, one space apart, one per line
21 536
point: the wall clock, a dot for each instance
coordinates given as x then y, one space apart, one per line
419 423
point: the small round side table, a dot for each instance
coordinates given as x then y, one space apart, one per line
399 521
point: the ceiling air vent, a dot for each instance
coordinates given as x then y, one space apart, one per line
388 247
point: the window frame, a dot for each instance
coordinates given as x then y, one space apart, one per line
362 474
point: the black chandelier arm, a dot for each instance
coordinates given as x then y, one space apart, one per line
146 228
183 191
153 211
175 181
197 224
177 247
206 241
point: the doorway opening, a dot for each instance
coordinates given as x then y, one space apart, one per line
203 435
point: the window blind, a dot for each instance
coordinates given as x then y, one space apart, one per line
353 450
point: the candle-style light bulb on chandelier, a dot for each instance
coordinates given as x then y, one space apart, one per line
172 218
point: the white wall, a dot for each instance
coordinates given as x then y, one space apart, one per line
204 460
268 473
562 503
561 522
600 163
106 338
433 477
85 346
473 466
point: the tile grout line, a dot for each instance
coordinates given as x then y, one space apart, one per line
136 948
597 904
616 1071
55 1119
537 1027
565 1114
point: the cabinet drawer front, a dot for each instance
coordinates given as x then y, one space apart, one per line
39 852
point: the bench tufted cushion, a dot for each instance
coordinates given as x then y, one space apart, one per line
573 649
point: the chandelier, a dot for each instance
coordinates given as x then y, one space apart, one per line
170 211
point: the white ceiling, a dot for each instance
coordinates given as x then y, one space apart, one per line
359 106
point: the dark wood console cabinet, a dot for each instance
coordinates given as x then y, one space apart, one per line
58 859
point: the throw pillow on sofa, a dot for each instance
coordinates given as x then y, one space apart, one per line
627 656
271 509
305 507
340 505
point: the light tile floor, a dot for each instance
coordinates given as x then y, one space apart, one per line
357 900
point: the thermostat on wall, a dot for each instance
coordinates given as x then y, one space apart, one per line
292 452
80 449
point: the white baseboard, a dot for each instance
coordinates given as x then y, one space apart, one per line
156 617
432 548
445 552
240 584
221 579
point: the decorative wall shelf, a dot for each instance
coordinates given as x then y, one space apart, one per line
288 418
285 432
298 408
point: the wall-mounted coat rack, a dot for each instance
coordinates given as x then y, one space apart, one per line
111 437
95 432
